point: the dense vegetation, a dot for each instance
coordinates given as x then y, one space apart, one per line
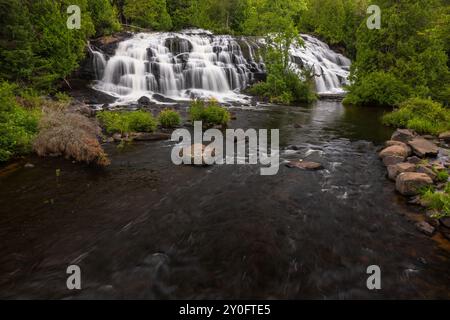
406 58
210 113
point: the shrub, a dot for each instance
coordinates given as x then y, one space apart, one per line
209 113
422 115
379 89
18 125
442 176
169 118
70 135
127 121
439 201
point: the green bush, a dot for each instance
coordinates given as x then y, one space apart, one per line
209 113
126 122
439 201
18 126
442 176
378 89
169 118
422 115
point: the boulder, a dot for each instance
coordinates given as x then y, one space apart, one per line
391 160
410 183
430 217
445 136
395 150
445 222
145 101
160 98
396 169
304 165
414 160
422 147
425 228
422 168
403 135
398 143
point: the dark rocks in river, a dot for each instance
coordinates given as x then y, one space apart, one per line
305 165
403 135
108 44
160 98
145 101
445 136
144 136
410 183
422 147
425 228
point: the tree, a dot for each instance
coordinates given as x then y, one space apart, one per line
148 14
104 16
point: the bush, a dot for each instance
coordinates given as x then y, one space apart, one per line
18 125
442 176
169 118
70 135
422 115
209 113
439 201
127 121
379 89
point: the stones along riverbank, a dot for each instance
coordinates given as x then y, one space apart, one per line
420 167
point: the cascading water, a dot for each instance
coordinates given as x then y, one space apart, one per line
195 63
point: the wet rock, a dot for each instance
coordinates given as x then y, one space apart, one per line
146 136
117 137
445 136
160 98
28 165
293 147
403 135
395 150
304 165
422 168
108 44
396 169
422 147
398 143
391 160
430 217
145 101
445 222
409 183
414 160
425 228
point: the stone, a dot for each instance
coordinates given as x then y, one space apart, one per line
395 150
391 160
445 222
422 147
396 169
145 101
117 137
427 170
144 136
445 136
398 143
305 165
425 228
410 183
403 135
29 165
160 98
430 218
414 160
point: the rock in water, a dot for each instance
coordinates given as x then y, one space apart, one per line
396 169
403 135
423 147
395 150
410 183
425 227
145 101
305 165
445 136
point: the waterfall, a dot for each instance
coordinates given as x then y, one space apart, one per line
198 64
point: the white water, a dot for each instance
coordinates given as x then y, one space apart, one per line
195 63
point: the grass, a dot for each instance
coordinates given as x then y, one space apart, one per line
210 113
169 118
71 135
422 115
127 121
439 201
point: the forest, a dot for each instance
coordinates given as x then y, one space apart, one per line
406 58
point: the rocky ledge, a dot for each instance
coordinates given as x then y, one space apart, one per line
416 163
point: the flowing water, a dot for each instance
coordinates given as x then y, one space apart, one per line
145 228
195 63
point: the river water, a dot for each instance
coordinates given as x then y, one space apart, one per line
145 228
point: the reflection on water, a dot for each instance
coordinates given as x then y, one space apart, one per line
144 228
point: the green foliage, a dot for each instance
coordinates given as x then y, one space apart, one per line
148 14
127 121
209 113
442 176
422 115
169 118
104 16
379 89
409 47
439 201
18 126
